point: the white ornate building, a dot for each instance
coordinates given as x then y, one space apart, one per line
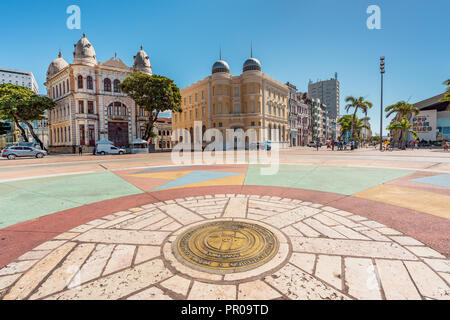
89 103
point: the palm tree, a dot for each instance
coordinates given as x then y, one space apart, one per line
360 124
403 127
401 110
345 123
358 104
447 93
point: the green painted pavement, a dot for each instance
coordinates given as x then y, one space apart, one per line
341 180
29 199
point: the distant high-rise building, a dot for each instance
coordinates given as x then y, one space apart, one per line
19 77
329 94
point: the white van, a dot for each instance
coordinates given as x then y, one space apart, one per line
108 149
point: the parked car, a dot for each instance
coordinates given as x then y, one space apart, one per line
108 149
18 151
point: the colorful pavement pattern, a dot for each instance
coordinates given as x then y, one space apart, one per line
346 232
324 253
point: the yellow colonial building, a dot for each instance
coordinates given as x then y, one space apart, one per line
252 100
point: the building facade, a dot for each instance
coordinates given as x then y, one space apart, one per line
293 118
19 77
251 100
163 132
89 103
328 92
433 121
305 130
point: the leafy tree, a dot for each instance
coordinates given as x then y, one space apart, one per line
21 105
356 104
346 125
403 127
155 94
447 93
401 110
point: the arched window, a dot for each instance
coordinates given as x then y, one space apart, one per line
107 85
117 109
89 83
116 86
80 82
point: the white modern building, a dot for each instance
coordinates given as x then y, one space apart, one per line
19 77
328 92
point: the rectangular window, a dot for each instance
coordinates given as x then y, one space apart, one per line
91 107
196 97
190 99
91 133
220 108
236 91
80 106
252 107
203 95
82 135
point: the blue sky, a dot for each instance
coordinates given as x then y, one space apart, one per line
295 40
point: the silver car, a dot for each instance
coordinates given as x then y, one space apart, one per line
19 151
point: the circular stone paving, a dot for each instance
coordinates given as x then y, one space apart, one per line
229 246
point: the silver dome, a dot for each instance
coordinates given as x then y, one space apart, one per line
56 66
252 64
142 63
220 66
84 52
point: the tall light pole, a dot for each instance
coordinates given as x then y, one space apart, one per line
381 108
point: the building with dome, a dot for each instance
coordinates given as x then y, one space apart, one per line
251 100
89 103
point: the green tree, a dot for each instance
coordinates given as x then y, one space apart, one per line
360 124
356 104
447 93
345 122
21 105
401 110
403 127
155 94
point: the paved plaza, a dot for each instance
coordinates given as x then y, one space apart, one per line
327 225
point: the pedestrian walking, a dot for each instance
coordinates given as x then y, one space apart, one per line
80 150
445 145
332 145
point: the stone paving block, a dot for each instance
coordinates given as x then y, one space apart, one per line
116 221
389 232
425 252
86 227
323 229
160 224
291 231
16 267
375 235
342 220
6 281
152 293
120 284
146 222
358 248
123 236
121 258
236 208
446 276
171 226
373 224
298 285
329 269
428 282
304 261
406 241
180 214
145 253
350 233
325 220
94 265
177 284
257 290
306 230
361 279
439 265
66 236
30 280
395 280
208 291
50 245
61 277
34 255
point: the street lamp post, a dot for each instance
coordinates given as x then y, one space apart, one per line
381 109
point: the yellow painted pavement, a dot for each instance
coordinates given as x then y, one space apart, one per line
428 202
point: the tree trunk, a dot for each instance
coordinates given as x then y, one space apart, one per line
22 130
30 127
353 125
